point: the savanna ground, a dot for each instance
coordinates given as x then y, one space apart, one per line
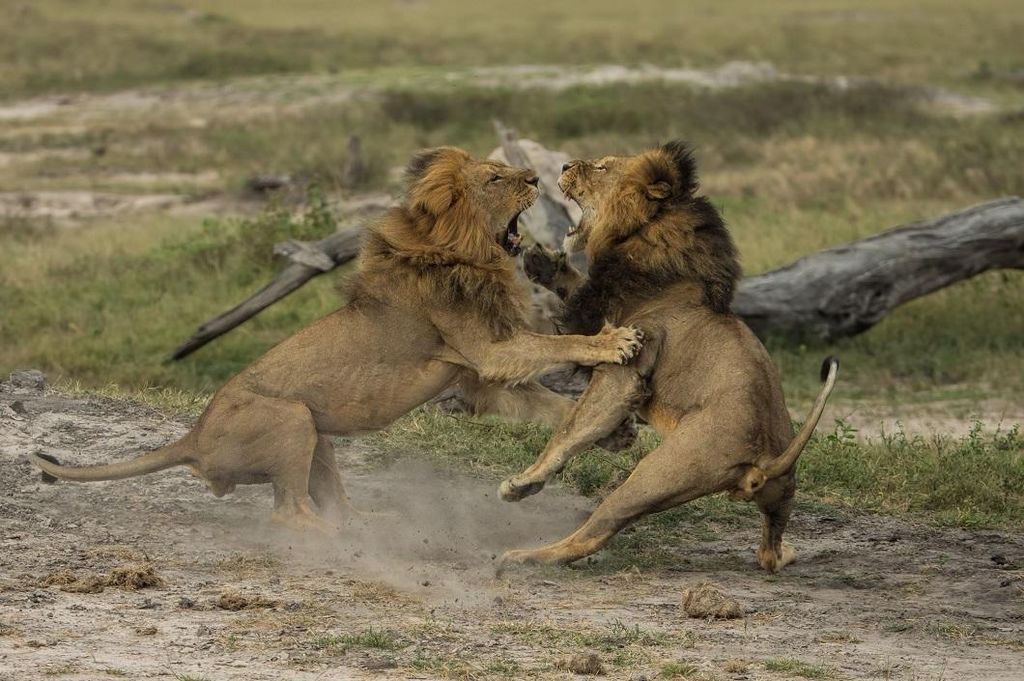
127 133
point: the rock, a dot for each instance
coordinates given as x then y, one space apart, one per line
203 631
186 603
28 379
18 407
146 631
583 663
707 600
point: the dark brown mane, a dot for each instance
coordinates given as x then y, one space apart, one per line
685 241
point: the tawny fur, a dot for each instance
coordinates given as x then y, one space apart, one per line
661 259
434 302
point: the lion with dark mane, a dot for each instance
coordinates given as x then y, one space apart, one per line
435 302
661 259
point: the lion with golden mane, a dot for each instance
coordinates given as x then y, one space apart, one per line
661 259
435 302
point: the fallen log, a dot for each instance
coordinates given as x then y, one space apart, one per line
838 292
846 290
308 259
548 219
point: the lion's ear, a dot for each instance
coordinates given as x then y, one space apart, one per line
658 191
420 163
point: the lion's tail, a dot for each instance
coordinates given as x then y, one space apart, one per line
170 455
781 464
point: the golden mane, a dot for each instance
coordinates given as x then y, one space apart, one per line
437 247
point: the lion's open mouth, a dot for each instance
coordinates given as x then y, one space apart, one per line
511 240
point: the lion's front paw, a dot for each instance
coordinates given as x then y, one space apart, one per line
515 489
541 265
624 342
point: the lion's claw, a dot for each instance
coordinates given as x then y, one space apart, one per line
628 340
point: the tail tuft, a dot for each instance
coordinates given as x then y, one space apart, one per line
43 475
827 366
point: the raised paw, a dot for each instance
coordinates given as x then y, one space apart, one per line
624 343
514 489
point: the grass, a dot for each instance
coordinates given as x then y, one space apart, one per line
680 670
631 640
976 480
47 45
794 168
794 667
973 481
371 638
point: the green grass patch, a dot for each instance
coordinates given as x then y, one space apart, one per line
679 670
377 639
111 312
794 167
974 481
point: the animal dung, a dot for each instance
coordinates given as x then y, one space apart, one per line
708 601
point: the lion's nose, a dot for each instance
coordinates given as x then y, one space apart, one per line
533 179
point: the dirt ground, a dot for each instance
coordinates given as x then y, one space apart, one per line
413 594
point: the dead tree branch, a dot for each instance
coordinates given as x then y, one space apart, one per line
846 290
308 259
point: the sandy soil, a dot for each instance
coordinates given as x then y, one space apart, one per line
871 596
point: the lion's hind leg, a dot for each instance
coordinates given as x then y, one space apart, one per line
775 499
678 471
248 438
325 486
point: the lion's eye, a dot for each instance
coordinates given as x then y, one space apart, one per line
494 178
600 168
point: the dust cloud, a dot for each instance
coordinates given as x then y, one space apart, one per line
435 532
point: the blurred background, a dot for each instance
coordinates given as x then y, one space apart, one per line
152 152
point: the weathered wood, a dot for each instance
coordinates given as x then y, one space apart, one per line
309 259
838 292
846 290
547 220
